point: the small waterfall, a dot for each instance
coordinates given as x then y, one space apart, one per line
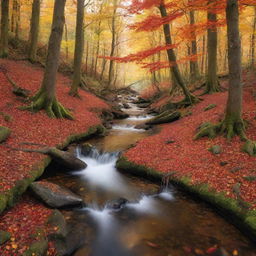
147 204
101 171
166 194
140 118
127 128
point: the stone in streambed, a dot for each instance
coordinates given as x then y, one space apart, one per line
86 148
66 159
54 195
117 204
143 126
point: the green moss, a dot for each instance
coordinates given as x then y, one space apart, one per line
4 133
250 178
8 199
211 106
38 248
244 219
4 236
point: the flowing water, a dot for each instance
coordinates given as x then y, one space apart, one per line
151 222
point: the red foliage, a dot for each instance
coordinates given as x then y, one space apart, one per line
153 22
37 128
140 55
191 158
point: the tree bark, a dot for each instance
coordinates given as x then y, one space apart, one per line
194 68
212 83
253 40
34 30
174 70
79 48
233 122
46 97
113 43
4 28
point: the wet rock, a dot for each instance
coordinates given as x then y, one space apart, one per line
141 101
143 105
37 248
143 126
66 159
126 105
86 148
4 133
117 204
4 236
165 117
54 195
216 149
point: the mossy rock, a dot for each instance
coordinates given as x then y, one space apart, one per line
250 178
4 236
4 133
249 147
211 106
165 117
216 149
38 248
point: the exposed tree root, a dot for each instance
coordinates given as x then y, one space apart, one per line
53 108
213 89
228 127
189 100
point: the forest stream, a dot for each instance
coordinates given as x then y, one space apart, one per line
148 221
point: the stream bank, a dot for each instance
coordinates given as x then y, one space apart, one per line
145 221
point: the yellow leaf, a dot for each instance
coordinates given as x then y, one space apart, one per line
235 253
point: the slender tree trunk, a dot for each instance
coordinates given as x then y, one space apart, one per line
233 122
34 30
46 96
203 57
87 57
113 43
66 40
253 40
189 98
17 25
4 28
104 62
194 69
14 10
212 83
79 48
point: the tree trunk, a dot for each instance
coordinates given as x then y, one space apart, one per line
174 70
212 83
79 48
113 43
194 69
45 97
233 122
4 29
66 40
17 25
34 30
253 40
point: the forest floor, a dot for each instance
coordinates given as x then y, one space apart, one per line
174 150
28 216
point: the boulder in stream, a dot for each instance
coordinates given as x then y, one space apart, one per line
66 159
143 126
165 117
117 204
54 195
